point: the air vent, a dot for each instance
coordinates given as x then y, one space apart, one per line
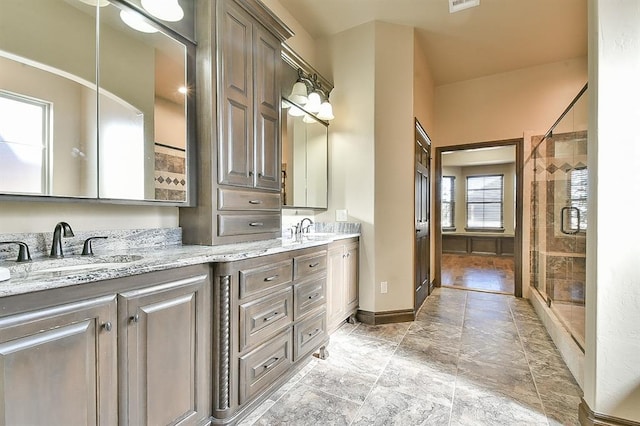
458 5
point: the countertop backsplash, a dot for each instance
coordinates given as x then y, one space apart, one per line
117 240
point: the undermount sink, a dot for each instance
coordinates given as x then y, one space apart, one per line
84 263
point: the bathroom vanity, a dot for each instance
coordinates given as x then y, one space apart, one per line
184 335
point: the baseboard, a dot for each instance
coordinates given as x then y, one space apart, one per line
432 285
588 417
387 317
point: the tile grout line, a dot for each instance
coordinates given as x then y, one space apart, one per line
455 382
355 417
526 357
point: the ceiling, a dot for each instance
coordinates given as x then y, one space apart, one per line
495 37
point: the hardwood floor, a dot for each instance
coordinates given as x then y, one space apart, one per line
484 273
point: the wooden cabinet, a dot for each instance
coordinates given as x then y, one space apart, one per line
342 281
163 330
239 148
58 365
130 351
269 314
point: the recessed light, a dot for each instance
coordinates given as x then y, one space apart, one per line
183 90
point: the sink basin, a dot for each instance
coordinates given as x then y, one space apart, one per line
83 263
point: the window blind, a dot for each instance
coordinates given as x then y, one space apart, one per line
485 202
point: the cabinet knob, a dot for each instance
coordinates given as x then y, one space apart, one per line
107 326
135 318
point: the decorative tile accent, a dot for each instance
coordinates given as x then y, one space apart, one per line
170 174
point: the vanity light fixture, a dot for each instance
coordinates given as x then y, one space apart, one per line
308 119
308 92
167 10
183 90
137 22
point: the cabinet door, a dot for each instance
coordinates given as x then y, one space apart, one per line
163 344
335 286
351 276
58 365
267 110
235 155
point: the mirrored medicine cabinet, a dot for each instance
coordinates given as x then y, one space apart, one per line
304 142
96 102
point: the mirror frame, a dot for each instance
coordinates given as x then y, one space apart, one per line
296 62
191 142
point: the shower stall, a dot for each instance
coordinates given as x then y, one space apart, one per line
559 216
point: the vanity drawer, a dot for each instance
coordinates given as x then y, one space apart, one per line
260 368
245 224
263 317
232 199
257 280
308 296
309 264
309 335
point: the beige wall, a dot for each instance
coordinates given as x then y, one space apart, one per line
612 370
503 106
352 142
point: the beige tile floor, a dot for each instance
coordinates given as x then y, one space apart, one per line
470 358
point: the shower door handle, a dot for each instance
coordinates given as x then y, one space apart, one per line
562 221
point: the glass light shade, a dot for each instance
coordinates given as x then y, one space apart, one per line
326 111
308 119
294 111
299 93
313 105
167 10
137 22
101 3
285 104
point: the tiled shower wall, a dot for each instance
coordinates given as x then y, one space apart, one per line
557 260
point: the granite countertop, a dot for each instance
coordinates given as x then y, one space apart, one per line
46 273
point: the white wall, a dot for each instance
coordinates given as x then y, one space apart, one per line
612 367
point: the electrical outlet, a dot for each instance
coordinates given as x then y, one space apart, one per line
383 287
341 215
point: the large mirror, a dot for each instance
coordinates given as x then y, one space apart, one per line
304 140
92 117
304 158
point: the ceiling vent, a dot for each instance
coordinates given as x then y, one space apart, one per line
458 5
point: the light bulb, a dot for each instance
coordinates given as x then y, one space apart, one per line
309 119
326 111
299 93
313 105
294 111
136 21
167 10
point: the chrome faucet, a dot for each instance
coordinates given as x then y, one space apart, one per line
301 228
62 229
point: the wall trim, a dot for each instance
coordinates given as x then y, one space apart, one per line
588 417
386 317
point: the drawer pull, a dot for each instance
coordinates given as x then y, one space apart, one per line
256 224
255 201
271 278
313 296
271 363
135 318
316 331
313 265
107 326
270 317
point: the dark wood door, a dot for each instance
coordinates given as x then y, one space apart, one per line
422 216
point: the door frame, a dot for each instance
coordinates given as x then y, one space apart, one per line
519 213
424 290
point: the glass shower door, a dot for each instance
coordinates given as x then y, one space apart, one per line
559 220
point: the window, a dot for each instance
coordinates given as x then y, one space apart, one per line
448 203
578 199
484 202
24 140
